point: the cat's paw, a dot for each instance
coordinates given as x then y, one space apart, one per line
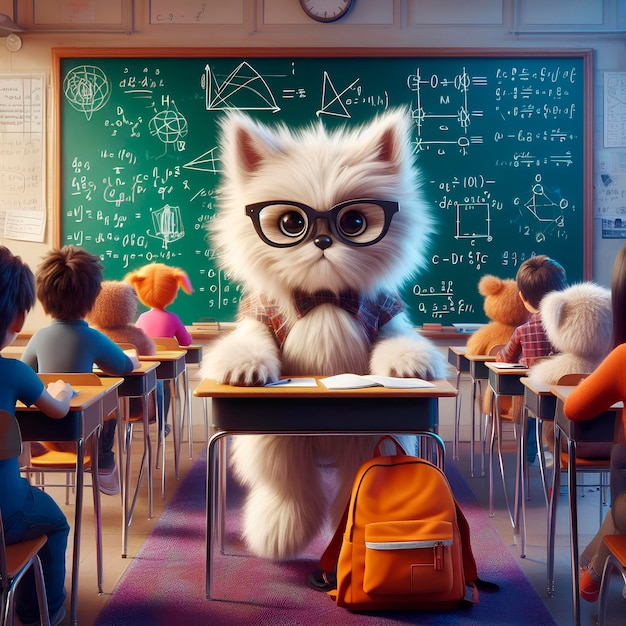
247 357
408 356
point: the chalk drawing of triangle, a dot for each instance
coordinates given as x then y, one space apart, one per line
331 99
207 162
244 89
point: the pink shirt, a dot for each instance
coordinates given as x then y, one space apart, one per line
159 323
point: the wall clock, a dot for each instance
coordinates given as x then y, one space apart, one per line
325 10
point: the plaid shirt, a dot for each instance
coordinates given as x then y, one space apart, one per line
528 343
371 314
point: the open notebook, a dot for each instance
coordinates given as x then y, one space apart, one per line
355 381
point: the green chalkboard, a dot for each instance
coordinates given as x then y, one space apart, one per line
502 138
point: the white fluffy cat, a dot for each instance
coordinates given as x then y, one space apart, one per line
284 252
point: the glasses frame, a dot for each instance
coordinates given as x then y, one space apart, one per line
253 211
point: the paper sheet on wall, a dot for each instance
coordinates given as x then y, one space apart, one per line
614 109
22 156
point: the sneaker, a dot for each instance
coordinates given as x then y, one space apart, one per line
108 481
589 587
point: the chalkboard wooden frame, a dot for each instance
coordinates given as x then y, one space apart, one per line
472 314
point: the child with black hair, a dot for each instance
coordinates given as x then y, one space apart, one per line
68 282
27 511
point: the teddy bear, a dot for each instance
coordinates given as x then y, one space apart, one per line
505 310
579 323
114 313
320 227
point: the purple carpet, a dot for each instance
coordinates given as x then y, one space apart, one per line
165 583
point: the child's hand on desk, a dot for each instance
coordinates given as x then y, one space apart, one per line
132 355
58 388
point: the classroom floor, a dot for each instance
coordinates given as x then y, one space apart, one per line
90 603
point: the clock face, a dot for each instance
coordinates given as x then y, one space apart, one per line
325 10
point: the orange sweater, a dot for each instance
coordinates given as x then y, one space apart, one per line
605 386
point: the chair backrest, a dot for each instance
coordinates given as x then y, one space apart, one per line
10 436
572 379
495 349
166 343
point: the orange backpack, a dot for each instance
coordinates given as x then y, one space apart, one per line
405 542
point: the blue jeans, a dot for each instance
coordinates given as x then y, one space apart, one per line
40 515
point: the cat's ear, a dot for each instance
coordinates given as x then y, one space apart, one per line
388 139
248 143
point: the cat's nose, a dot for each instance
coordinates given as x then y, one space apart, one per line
323 241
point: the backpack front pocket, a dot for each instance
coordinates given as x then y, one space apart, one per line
408 557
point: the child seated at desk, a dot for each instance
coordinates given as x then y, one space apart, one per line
68 281
535 278
28 511
157 286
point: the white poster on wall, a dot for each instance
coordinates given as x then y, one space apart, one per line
615 109
22 156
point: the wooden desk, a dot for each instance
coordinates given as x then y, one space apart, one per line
87 410
461 365
310 411
503 381
171 365
600 429
478 373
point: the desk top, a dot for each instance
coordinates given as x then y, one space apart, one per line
541 389
164 355
483 358
563 391
211 389
86 396
500 368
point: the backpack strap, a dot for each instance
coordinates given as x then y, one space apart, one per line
328 561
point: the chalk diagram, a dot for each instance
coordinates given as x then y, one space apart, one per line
332 103
169 126
541 209
207 162
434 129
244 89
87 89
168 225
478 210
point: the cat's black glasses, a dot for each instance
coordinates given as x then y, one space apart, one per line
283 223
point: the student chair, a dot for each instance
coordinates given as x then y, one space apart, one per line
601 429
615 563
17 558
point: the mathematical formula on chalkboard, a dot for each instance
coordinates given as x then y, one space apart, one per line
500 142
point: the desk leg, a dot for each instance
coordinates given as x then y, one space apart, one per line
97 509
188 412
573 527
519 508
213 475
176 424
457 419
472 436
80 467
554 503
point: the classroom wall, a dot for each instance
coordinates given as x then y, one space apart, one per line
597 24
